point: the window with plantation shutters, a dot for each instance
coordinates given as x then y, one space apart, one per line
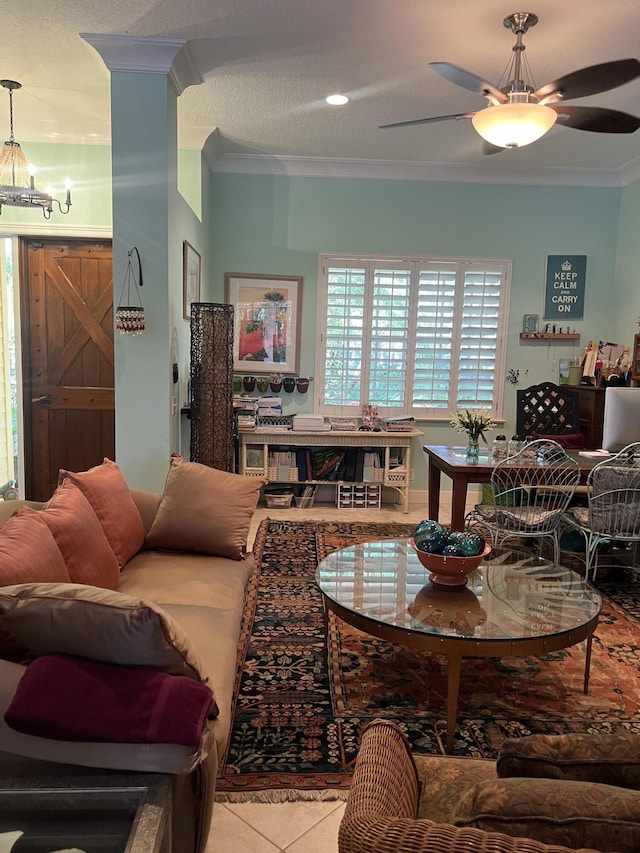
418 336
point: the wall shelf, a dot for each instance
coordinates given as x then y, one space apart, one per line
549 336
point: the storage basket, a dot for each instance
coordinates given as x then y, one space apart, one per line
278 501
305 502
279 423
397 477
306 499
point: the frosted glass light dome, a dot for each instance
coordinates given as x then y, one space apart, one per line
514 125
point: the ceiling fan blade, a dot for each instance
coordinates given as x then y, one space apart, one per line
467 80
592 80
426 120
596 119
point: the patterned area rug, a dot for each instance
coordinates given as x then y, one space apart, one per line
305 689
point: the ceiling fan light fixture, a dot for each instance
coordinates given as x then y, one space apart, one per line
514 125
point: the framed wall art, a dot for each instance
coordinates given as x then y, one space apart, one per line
191 265
530 323
266 323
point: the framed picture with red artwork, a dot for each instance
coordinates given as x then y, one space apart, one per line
266 322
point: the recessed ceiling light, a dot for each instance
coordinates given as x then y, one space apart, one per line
337 100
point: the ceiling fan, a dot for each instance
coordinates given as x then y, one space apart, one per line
518 113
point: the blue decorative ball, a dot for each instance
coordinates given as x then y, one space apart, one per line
433 542
427 526
471 544
451 550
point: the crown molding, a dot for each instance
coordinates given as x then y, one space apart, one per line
328 167
145 55
630 172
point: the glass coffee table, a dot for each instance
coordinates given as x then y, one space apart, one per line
514 605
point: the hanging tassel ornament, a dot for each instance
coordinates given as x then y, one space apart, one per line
130 318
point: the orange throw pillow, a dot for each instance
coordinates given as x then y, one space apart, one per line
28 552
106 490
80 538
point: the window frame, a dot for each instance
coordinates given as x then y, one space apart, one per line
368 262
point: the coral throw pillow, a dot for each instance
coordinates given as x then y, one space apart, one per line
28 551
80 537
205 510
106 490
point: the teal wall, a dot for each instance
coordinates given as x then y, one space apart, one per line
141 450
279 225
89 169
626 305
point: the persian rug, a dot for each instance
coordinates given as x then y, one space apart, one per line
306 684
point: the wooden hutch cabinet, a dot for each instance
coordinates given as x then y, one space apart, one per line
591 406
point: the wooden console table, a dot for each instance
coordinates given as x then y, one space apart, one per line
397 477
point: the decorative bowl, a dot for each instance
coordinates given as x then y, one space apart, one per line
450 571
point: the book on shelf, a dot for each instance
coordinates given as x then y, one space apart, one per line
327 464
400 424
301 464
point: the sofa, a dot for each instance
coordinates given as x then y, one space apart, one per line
544 794
134 601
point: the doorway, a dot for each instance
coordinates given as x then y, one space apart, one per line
66 311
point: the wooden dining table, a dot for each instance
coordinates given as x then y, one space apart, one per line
452 462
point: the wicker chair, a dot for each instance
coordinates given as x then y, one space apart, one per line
530 493
401 803
613 511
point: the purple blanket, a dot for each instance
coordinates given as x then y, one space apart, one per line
67 698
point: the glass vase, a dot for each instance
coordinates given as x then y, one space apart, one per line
473 449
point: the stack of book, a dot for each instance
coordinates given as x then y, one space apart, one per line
399 424
308 423
269 406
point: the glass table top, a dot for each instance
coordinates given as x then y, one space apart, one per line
85 815
512 595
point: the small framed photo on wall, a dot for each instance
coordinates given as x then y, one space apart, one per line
191 263
530 323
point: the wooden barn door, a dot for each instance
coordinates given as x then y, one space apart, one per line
66 297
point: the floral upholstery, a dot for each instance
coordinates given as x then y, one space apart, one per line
401 803
610 759
553 811
442 783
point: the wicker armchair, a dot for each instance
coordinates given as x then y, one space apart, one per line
399 803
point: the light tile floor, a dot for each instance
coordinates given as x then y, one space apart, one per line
299 827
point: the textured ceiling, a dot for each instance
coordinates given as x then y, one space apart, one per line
268 64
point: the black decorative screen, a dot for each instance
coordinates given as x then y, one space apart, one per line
547 409
212 385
